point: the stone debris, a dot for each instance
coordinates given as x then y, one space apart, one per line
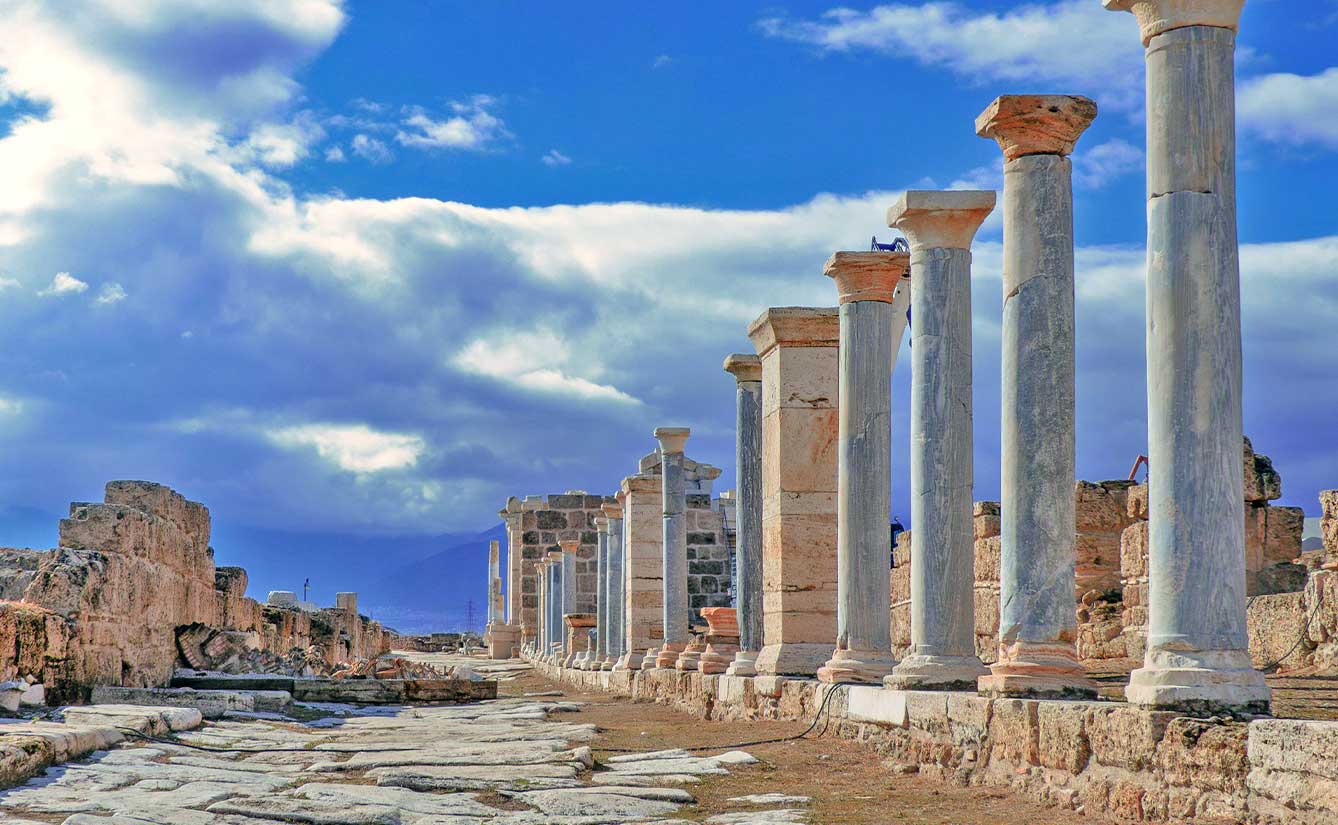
770 799
777 817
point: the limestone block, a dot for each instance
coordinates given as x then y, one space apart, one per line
1124 736
1262 482
1137 502
985 519
1276 624
1328 520
1015 731
1134 551
987 611
1062 741
1104 507
1204 753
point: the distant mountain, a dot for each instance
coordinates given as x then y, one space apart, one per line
1312 543
434 593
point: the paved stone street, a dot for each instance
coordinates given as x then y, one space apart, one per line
516 760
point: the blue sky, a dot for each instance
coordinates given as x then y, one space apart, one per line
352 273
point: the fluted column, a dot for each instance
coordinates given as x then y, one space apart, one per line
940 226
1037 624
798 348
674 544
747 372
865 283
1197 655
612 636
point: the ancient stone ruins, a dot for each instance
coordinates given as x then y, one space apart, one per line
1152 652
1101 646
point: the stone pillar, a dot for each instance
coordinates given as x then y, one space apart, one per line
747 372
674 544
542 624
798 350
569 550
1037 624
511 515
494 583
1197 653
555 624
940 226
601 591
865 283
643 563
613 588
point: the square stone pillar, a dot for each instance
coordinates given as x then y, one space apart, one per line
643 564
798 349
511 515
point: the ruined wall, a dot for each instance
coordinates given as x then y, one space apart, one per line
545 521
1328 522
107 605
709 572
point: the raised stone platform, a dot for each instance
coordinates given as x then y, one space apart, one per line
1096 756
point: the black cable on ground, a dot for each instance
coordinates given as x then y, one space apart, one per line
816 718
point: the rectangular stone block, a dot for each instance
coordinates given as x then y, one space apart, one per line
877 705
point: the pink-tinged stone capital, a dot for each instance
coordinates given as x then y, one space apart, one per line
672 439
940 219
795 327
570 545
613 510
1036 124
744 367
1159 16
867 276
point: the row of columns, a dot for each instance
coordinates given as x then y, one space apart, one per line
814 422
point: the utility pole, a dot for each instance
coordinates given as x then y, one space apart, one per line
306 587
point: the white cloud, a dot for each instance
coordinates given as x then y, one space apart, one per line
472 126
1096 166
371 149
530 361
661 61
1291 108
1026 43
356 448
112 293
280 145
8 283
10 406
334 155
64 284
556 158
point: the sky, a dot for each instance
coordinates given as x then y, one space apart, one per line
352 273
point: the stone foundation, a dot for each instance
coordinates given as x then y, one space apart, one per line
1097 757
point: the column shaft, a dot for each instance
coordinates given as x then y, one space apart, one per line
748 515
1197 647
674 544
601 594
617 608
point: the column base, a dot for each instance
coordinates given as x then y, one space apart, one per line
608 663
1204 682
717 658
929 672
667 656
649 657
690 658
1037 670
630 660
793 658
857 666
744 664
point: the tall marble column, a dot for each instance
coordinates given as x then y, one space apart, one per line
613 587
556 627
865 283
643 564
1037 624
674 544
1197 655
569 549
940 226
798 349
495 610
747 372
541 626
601 592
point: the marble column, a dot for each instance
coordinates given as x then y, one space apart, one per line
601 592
569 549
494 583
747 372
557 631
526 621
643 528
542 592
940 226
1197 655
798 350
674 544
1037 625
613 587
865 283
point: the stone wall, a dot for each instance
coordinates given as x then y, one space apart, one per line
1328 522
1098 757
543 522
105 607
709 572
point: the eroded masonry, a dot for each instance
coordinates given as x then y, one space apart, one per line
1102 646
131 594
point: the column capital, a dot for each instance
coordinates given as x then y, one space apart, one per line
601 524
612 511
867 276
640 483
1036 124
1159 16
795 327
570 545
743 367
672 439
940 219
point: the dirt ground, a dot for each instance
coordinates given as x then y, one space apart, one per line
848 784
